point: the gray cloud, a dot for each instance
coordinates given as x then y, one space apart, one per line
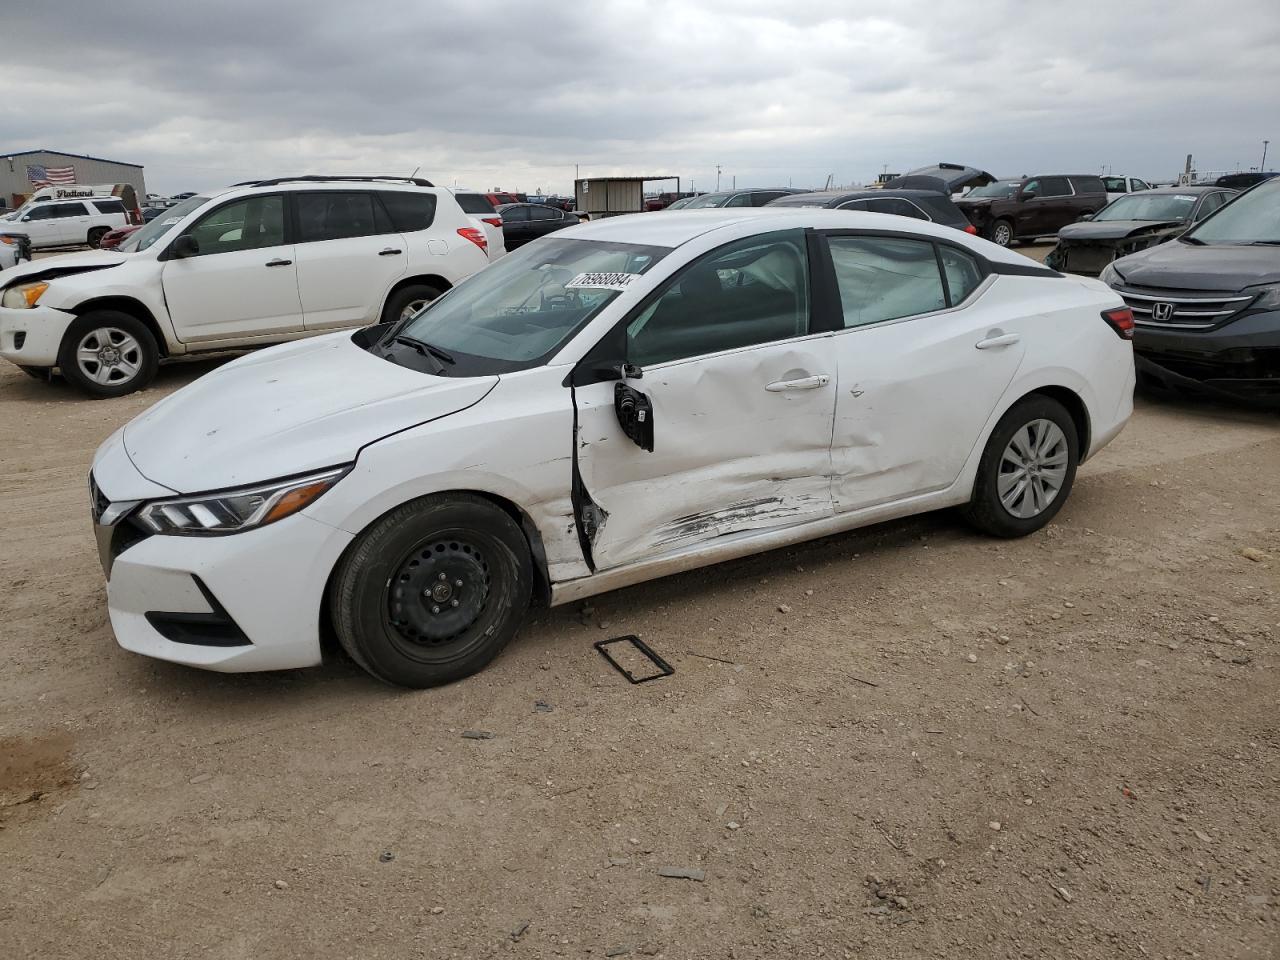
514 94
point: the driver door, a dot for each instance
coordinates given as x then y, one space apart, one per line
41 226
243 281
732 392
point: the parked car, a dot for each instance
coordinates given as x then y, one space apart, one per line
949 178
663 201
1117 187
756 197
114 238
1243 181
682 202
14 248
1207 305
1007 211
64 223
150 213
242 267
499 197
522 222
920 204
484 217
630 398
1132 223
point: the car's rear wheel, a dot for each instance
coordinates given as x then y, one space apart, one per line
1027 469
107 353
96 235
433 591
1001 233
407 301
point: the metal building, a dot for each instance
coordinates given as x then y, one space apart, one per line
17 168
611 196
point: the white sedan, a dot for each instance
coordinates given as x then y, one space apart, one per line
620 401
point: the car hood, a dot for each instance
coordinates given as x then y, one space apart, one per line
1185 266
1115 229
287 410
47 268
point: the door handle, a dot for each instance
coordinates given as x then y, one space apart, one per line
804 383
278 263
1003 340
388 252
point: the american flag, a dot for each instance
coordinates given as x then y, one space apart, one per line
39 176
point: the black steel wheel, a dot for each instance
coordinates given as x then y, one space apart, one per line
432 591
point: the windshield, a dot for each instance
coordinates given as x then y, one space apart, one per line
1147 206
1253 217
708 200
997 190
517 312
161 225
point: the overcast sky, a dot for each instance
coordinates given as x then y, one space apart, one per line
514 94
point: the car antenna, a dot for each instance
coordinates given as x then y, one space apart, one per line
415 171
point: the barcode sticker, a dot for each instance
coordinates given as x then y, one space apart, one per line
602 281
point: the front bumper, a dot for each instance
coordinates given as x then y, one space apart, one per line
32 337
242 602
1239 360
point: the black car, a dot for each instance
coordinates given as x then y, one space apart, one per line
1243 181
1132 223
1006 211
754 197
1207 304
920 204
522 222
945 177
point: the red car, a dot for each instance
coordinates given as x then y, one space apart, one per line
112 238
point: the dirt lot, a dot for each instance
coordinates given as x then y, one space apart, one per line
948 746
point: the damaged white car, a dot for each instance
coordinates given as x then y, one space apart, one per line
626 399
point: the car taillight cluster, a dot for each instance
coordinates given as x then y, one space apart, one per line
1121 321
475 235
971 229
492 221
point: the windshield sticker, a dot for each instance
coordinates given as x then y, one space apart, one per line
1181 197
170 222
602 281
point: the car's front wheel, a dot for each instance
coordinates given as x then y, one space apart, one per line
107 353
1027 469
432 591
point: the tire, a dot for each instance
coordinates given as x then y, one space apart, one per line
1001 233
1054 431
96 235
127 354
402 601
40 373
408 299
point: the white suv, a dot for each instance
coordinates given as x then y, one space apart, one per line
254 264
64 223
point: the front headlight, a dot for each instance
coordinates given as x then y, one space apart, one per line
24 295
1111 276
231 511
1268 296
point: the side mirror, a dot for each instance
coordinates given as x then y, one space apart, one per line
1028 195
1085 216
185 246
26 217
635 415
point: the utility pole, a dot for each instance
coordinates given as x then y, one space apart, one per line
1263 168
735 182
717 177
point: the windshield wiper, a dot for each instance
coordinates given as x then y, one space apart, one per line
426 350
1185 239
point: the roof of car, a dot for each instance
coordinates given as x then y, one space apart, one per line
830 197
1196 190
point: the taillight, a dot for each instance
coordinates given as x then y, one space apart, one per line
475 236
492 221
971 229
1121 321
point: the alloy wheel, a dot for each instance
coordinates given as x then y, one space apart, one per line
1033 469
413 307
1002 234
109 356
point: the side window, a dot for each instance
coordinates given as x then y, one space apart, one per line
61 211
750 292
854 205
1115 184
109 206
885 278
412 210
739 200
248 224
1210 203
335 216
541 212
962 271
1140 184
897 206
1087 185
760 199
515 214
1055 187
1032 186
39 213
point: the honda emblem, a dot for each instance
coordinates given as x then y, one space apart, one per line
1162 311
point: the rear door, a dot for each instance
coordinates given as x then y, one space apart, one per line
243 282
922 362
1050 209
349 255
742 394
517 229
71 222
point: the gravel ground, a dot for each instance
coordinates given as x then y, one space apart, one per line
948 746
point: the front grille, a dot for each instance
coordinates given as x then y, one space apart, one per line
1183 309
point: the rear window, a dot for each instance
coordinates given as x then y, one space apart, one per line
943 210
109 206
410 210
474 203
